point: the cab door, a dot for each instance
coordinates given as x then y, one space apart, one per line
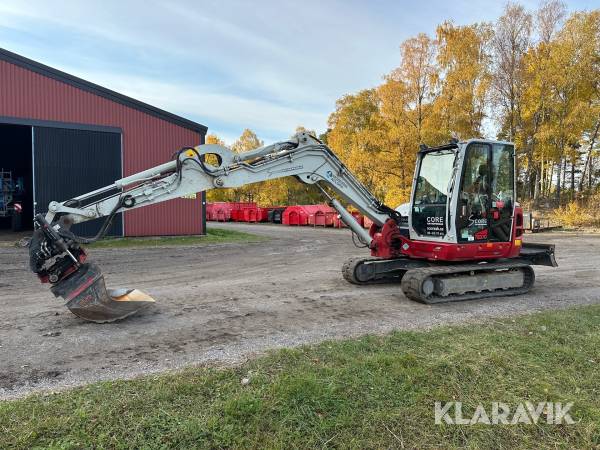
429 203
486 197
503 192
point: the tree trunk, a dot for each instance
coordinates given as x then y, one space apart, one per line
591 171
542 178
549 172
572 180
536 185
583 173
558 181
564 174
588 162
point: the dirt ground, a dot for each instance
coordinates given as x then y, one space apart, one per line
223 303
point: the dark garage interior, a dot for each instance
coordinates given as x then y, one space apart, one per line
16 157
44 163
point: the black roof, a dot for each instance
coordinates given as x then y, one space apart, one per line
82 84
425 149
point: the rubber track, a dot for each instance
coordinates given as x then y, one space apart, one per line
414 278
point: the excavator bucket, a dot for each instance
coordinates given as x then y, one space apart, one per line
87 297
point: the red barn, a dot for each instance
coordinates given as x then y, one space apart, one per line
62 136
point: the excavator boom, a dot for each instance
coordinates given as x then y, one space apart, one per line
57 255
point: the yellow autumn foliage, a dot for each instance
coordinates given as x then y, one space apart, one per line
530 77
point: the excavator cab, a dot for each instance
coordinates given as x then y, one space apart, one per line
464 193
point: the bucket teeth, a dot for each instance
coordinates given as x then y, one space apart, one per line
87 297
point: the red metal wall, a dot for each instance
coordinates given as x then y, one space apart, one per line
147 140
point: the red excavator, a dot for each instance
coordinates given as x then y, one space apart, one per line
459 238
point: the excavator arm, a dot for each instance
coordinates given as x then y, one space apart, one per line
56 253
303 156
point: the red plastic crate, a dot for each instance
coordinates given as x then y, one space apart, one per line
226 211
209 211
316 215
263 215
322 218
295 215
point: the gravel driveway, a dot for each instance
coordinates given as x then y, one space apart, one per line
223 303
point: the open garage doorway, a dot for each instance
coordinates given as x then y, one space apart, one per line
43 161
16 178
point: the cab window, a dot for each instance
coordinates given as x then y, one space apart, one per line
473 203
431 193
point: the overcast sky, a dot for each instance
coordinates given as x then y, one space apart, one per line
265 65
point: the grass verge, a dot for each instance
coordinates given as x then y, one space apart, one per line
213 236
372 392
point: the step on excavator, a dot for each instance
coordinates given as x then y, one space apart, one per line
459 238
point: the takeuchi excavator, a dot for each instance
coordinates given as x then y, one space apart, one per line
459 238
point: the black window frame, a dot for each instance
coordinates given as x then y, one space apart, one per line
459 238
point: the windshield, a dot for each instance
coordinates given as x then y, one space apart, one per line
431 193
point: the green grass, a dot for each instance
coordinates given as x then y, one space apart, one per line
213 236
372 392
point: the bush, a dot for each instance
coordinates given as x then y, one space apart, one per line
576 215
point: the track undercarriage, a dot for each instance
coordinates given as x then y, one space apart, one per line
439 282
